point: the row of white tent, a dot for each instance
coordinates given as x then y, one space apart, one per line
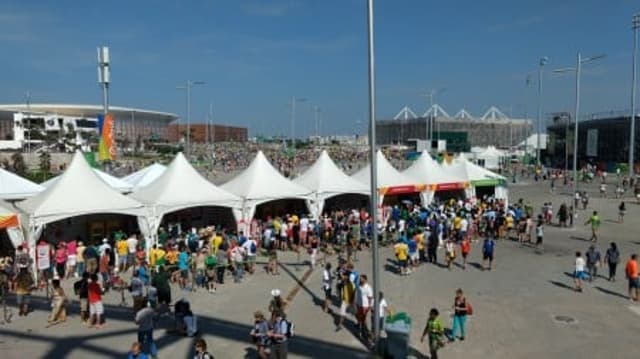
157 190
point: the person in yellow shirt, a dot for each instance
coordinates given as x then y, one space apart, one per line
402 254
348 296
122 249
509 222
420 241
172 257
216 242
156 256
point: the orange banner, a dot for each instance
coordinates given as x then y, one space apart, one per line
7 221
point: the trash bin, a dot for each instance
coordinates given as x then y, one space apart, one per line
398 329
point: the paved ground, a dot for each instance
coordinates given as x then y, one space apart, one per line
515 305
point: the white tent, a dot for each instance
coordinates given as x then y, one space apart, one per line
480 177
179 187
390 180
79 191
427 171
326 180
13 187
260 183
144 176
491 157
113 182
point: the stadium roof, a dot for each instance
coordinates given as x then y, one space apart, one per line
86 111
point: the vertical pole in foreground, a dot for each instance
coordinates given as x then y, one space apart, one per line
374 180
188 136
575 126
539 124
632 131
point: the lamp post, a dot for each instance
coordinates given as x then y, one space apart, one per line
579 61
294 100
430 121
632 132
316 112
374 181
187 88
543 61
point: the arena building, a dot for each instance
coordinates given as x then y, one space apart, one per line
32 124
461 131
201 132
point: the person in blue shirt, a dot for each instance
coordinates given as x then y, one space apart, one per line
136 352
413 252
487 252
183 266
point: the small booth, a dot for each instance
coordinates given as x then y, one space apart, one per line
441 184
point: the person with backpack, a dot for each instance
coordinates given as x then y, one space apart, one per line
612 257
460 312
435 331
250 247
487 252
260 334
279 335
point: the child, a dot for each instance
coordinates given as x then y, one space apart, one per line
96 309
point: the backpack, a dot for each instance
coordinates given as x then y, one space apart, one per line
253 247
469 308
290 329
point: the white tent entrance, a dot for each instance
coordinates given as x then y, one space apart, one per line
91 228
281 207
346 201
199 217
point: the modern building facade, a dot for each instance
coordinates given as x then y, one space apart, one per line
201 133
25 124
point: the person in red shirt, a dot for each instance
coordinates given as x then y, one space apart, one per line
104 266
96 309
465 249
631 270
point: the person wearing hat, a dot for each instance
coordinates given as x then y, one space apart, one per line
277 304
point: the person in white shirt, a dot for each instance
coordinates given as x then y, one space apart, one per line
105 244
304 229
283 236
364 300
327 280
250 247
579 273
383 310
132 243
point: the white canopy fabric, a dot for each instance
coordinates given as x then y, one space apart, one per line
114 182
478 176
427 171
260 183
78 191
326 180
14 187
388 176
144 176
179 187
491 157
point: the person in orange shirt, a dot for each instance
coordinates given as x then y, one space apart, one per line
465 249
632 275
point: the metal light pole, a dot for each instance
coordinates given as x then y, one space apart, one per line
187 88
579 61
293 119
632 132
316 112
374 181
543 61
430 121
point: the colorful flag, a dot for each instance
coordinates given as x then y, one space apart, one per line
106 148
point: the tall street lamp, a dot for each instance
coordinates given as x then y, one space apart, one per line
543 61
294 100
187 88
632 132
430 121
374 169
579 61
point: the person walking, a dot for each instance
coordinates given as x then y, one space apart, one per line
364 301
579 273
144 319
612 257
595 225
201 350
450 252
435 331
278 335
460 312
58 308
594 260
631 270
260 334
488 247
621 211
327 280
539 233
465 249
563 215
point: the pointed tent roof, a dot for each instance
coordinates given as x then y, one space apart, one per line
79 191
181 186
388 176
13 186
144 176
261 182
114 182
475 174
324 177
425 170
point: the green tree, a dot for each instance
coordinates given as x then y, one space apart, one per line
45 164
18 165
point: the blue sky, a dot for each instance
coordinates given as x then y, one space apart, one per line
254 55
